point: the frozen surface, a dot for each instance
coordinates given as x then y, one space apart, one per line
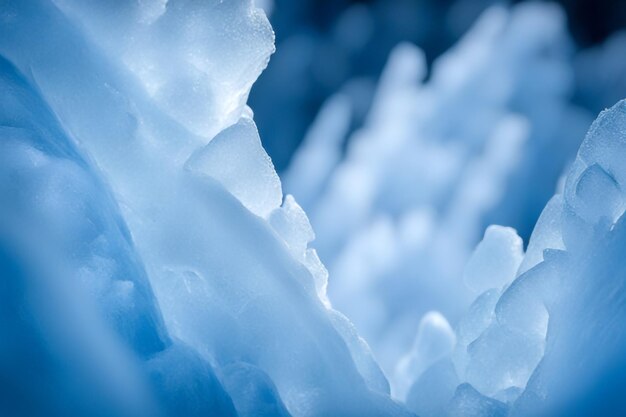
151 265
583 362
435 340
484 140
236 159
467 402
201 73
549 342
155 268
495 260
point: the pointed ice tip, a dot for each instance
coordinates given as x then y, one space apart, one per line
495 260
435 319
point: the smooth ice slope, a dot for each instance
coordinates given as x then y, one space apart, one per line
81 330
154 174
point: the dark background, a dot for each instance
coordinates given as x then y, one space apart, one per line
311 63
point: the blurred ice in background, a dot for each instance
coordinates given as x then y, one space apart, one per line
436 120
324 46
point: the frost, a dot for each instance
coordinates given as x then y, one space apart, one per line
202 72
584 315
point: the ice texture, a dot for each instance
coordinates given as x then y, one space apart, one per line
467 402
237 160
151 265
201 73
583 367
433 390
43 177
495 260
435 340
555 332
155 268
548 341
482 141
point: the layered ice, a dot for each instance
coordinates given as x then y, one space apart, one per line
236 158
554 339
201 73
544 338
495 260
155 268
582 283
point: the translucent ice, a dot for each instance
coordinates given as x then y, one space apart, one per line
433 391
552 341
135 187
435 340
81 327
495 261
152 267
584 335
236 159
196 75
467 402
483 140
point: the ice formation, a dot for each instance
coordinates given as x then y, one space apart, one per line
483 140
154 267
151 265
326 46
549 341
